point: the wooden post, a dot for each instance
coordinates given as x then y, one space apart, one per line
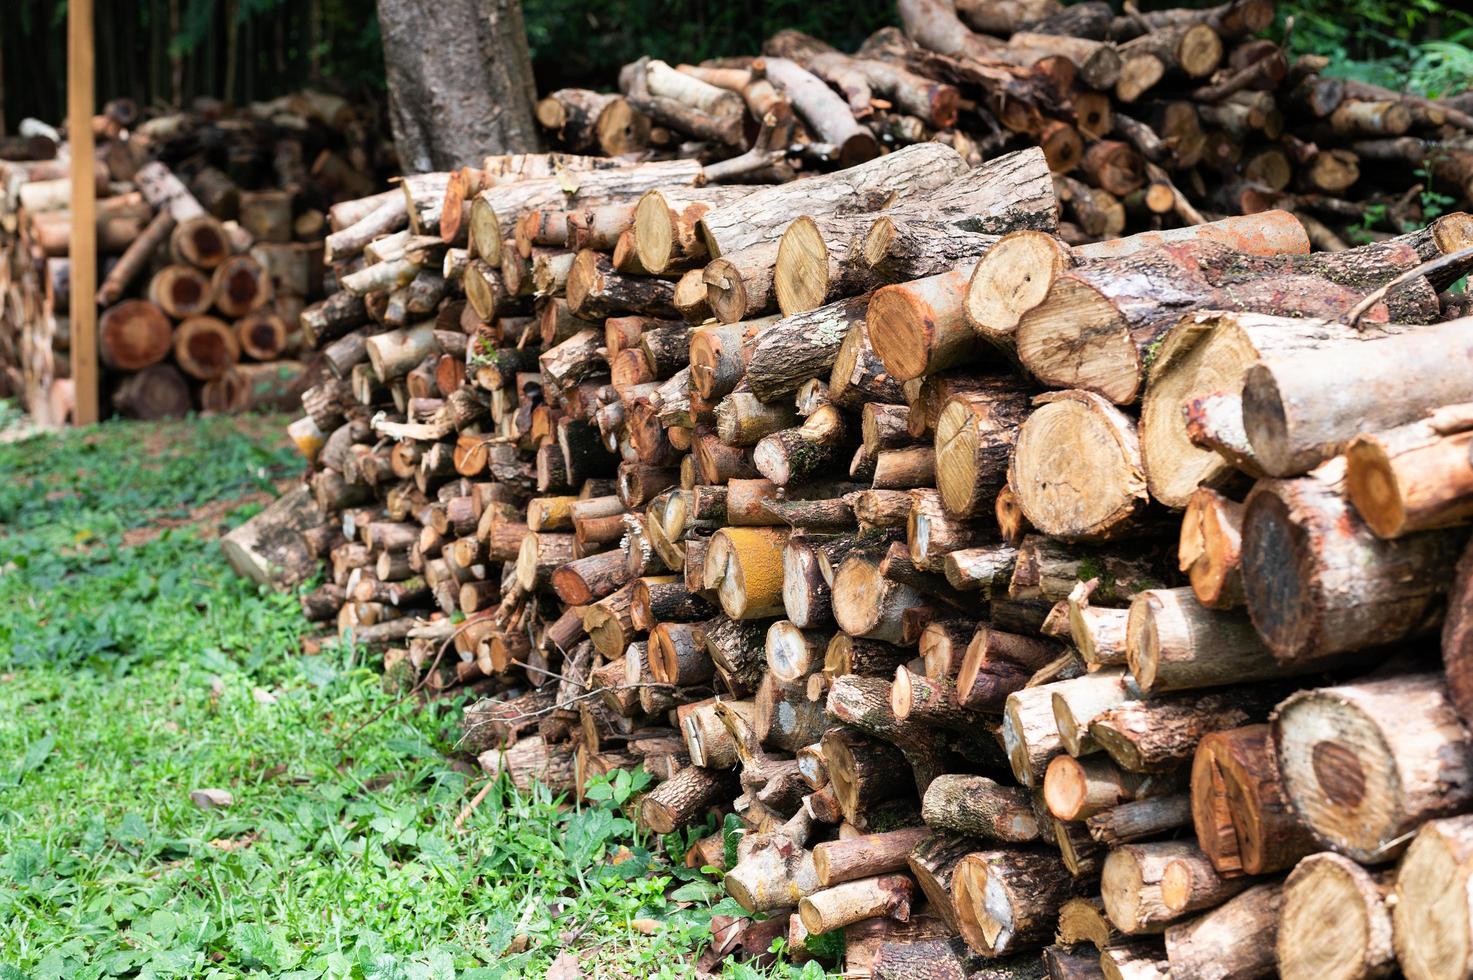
84 207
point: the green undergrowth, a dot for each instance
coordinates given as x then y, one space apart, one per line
135 668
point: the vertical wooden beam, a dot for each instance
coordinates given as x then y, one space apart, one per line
84 210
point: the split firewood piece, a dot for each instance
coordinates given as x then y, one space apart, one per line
739 284
1076 789
1318 582
1416 476
1161 734
1110 324
1079 700
978 807
1205 353
1147 886
1430 914
1295 406
133 335
708 735
1175 643
1077 468
585 121
1232 941
761 215
1210 548
1365 763
1017 274
1244 820
495 210
1030 734
820 260
1141 820
1335 921
1083 920
1008 900
737 649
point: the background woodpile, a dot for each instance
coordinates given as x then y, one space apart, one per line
1017 588
210 228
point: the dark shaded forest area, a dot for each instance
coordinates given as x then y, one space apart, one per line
166 51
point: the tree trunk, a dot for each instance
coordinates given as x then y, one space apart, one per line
460 81
1365 763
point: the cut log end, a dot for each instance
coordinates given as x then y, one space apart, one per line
801 276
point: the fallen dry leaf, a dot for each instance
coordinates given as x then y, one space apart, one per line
565 967
208 799
235 843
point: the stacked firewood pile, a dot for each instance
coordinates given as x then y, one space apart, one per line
210 229
1014 594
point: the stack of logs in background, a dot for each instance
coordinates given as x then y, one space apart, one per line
209 233
1016 586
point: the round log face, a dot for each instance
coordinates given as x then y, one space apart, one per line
134 334
1433 926
1076 472
801 277
1340 772
1333 924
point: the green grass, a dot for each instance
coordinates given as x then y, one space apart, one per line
132 673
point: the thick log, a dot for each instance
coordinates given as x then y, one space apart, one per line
596 290
1430 916
798 347
1017 274
975 436
1365 763
1244 820
978 807
854 901
1146 886
1008 900
1335 921
205 348
761 215
133 335
1109 324
1319 583
1162 734
269 548
1175 643
1077 468
1413 477
1298 410
1230 942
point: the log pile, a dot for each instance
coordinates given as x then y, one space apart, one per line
210 230
1019 597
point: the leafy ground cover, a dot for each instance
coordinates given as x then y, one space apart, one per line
135 668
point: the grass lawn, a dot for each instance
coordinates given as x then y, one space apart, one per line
135 667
